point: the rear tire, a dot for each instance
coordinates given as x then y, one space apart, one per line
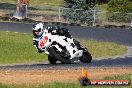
52 60
86 57
54 53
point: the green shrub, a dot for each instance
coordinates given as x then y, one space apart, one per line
123 7
78 16
80 4
120 6
119 17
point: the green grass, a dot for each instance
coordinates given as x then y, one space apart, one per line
118 77
63 85
38 2
47 2
103 49
74 85
3 86
8 1
77 85
52 3
18 48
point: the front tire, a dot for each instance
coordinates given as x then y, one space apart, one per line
86 57
55 54
52 60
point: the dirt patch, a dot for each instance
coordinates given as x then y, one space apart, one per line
29 77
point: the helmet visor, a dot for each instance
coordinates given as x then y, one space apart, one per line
35 33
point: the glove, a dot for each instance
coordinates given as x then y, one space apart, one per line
35 42
40 51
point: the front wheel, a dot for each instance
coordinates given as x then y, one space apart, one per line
86 57
53 51
52 60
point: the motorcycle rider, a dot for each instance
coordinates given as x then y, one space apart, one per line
37 30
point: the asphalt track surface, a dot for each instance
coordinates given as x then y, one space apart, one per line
117 35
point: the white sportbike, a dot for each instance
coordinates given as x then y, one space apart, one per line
61 48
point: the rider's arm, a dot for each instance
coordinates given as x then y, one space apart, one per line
35 43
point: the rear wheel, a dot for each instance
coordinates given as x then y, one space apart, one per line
86 57
53 51
52 60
